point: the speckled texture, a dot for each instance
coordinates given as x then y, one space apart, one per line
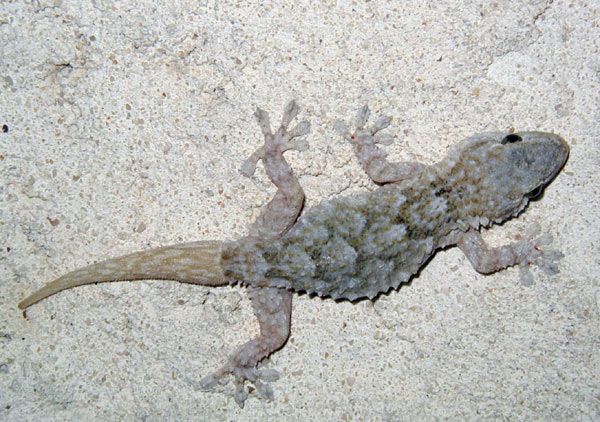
123 128
363 245
357 246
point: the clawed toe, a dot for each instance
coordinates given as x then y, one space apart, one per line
362 116
259 378
362 133
290 112
284 139
381 123
545 259
301 129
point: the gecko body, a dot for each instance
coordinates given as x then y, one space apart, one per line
356 246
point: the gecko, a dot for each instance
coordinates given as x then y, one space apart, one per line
351 247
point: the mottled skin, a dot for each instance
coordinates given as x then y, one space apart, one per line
357 246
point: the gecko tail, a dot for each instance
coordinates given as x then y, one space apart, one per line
194 262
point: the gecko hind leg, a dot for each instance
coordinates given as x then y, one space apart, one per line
273 309
372 158
272 306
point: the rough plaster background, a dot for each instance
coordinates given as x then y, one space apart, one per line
124 125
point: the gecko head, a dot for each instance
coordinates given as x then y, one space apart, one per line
502 172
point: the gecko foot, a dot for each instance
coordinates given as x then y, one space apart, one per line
273 309
260 378
284 139
363 134
535 252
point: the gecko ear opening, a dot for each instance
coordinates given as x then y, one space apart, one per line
536 193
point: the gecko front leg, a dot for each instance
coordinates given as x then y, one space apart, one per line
272 306
372 158
283 210
525 252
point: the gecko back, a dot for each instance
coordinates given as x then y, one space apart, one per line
348 247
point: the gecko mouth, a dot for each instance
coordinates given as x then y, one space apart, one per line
562 154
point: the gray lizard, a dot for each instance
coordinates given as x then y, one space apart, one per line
357 246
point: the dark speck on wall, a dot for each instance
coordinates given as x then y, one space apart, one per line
4 129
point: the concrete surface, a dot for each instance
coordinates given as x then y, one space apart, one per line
125 126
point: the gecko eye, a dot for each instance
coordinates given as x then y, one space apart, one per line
536 193
511 139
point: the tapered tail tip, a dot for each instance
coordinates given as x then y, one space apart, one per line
28 301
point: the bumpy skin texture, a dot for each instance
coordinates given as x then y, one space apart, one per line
352 247
360 246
